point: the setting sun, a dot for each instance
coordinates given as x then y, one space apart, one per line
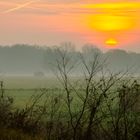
111 42
112 20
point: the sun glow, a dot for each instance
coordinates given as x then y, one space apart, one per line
113 19
105 22
111 42
116 5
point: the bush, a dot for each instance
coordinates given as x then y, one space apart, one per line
113 115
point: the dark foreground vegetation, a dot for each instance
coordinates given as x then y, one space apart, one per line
99 105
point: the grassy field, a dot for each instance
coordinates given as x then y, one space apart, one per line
22 88
28 82
56 111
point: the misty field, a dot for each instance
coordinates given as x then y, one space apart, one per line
83 100
22 88
39 105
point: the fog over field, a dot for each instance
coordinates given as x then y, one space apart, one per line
28 60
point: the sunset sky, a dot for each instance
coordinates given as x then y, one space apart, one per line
105 23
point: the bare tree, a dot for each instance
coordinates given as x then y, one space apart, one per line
91 68
99 102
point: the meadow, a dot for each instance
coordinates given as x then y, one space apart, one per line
40 104
22 88
91 104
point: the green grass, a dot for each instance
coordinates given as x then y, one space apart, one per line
29 82
22 88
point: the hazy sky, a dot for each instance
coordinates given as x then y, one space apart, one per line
105 23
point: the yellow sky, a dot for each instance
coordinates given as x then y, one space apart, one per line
104 23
